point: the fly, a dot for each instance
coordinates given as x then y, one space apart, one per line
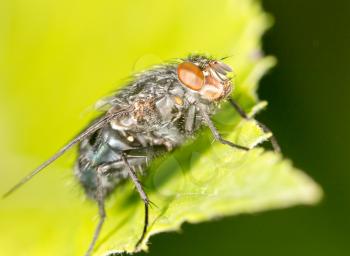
153 114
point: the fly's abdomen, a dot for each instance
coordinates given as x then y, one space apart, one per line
100 157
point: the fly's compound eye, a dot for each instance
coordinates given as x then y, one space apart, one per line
190 75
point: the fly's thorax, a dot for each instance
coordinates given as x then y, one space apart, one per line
141 117
151 110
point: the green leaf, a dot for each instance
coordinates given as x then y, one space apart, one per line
62 57
202 181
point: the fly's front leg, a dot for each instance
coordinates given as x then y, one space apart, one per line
141 192
190 117
101 209
243 114
215 132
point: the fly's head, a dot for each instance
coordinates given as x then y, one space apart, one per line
205 76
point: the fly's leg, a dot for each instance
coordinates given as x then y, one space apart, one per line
101 210
189 121
105 169
243 114
109 167
142 194
215 132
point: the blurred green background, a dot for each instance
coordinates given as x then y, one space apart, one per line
308 95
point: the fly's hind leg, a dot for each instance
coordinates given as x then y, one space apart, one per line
102 213
111 167
243 114
142 194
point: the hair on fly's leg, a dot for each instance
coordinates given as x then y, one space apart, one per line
244 115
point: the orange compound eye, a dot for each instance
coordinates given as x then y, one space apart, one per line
190 75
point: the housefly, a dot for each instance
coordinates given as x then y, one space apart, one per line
153 114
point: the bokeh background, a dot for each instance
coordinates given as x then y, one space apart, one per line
308 94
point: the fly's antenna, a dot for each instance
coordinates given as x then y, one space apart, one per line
90 130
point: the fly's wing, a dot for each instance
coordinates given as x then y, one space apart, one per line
87 132
106 103
101 106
